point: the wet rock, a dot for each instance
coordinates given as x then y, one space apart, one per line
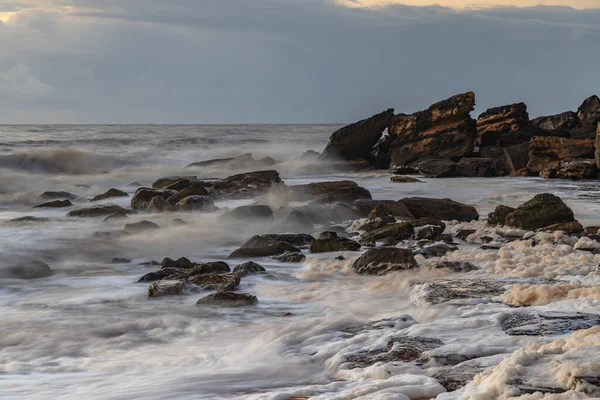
571 228
428 228
142 197
399 231
444 130
58 196
383 260
453 379
442 291
559 122
290 257
330 241
592 229
141 226
543 210
110 193
502 119
340 258
251 212
324 214
394 208
404 179
295 239
217 282
378 218
547 323
435 249
158 205
548 152
379 325
437 168
264 251
478 167
228 299
249 268
442 209
456 266
55 204
180 263
179 221
116 215
401 348
29 218
191 190
215 267
99 211
118 260
356 141
166 288
329 192
465 233
196 203
173 182
27 270
242 161
248 185
498 216
157 276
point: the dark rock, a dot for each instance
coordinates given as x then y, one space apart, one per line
215 267
589 111
29 218
571 169
571 228
478 167
381 156
295 239
142 197
141 226
27 270
378 218
465 233
547 152
516 157
444 130
453 379
356 141
394 324
442 209
196 203
399 231
290 257
172 182
429 232
437 168
559 122
118 260
404 179
251 212
456 266
55 204
242 161
228 299
443 290
264 251
330 241
394 208
543 210
502 119
383 260
251 184
344 191
498 216
309 155
293 221
179 221
435 249
150 263
110 193
399 349
58 196
340 258
158 205
190 190
155 276
180 263
249 268
166 288
217 282
99 211
117 215
548 323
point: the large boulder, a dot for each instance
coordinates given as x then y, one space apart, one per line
543 210
228 299
441 209
502 119
109 194
249 268
355 141
444 130
328 192
247 185
99 211
27 270
217 282
179 182
330 241
395 208
166 288
196 203
547 152
589 112
142 197
383 260
437 168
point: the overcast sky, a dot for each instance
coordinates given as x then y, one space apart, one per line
288 61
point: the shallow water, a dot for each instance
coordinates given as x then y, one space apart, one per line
90 331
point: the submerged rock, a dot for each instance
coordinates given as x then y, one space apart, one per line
548 323
456 266
248 185
404 179
142 197
401 348
190 190
543 210
27 270
99 211
228 299
442 209
29 218
290 257
110 193
58 196
295 239
264 251
218 282
249 268
383 260
141 226
330 241
251 212
55 204
239 162
116 215
442 290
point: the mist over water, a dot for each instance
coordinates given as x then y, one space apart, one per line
89 331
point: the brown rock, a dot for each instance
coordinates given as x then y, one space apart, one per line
166 288
478 167
158 204
164 183
344 191
498 216
249 184
508 118
404 179
395 208
559 122
395 232
592 229
437 168
142 197
383 260
55 204
227 299
571 228
589 111
442 209
191 190
572 169
218 282
330 241
196 203
99 211
543 210
110 193
548 152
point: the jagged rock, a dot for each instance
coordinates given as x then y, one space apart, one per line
228 299
215 267
498 216
330 241
180 263
589 111
158 205
142 197
264 251
99 211
141 226
543 210
456 266
465 233
559 122
217 282
242 161
502 119
547 152
290 257
428 228
27 270
394 208
571 169
249 268
110 193
295 239
58 196
383 260
444 130
548 323
55 204
382 153
455 378
437 168
29 218
442 209
251 212
378 218
180 182
404 179
157 275
196 203
443 290
166 288
344 191
402 348
478 167
356 141
191 190
117 215
399 231
249 184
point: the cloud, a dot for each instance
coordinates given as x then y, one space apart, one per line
286 61
18 81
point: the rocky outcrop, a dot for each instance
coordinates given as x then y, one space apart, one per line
142 197
444 130
543 210
442 209
588 112
166 288
356 141
437 168
479 167
559 122
109 194
548 152
247 185
329 192
575 125
99 211
383 260
227 299
217 282
456 266
243 161
330 241
509 118
289 257
159 204
173 182
55 204
572 169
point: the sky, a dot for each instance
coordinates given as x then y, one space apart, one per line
289 61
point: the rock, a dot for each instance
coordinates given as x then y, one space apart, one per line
309 155
239 162
571 228
437 168
394 208
166 288
55 204
99 211
158 205
435 249
330 241
502 119
381 156
154 276
118 260
442 209
428 228
444 130
290 257
404 179
249 268
216 267
58 196
292 221
399 231
196 203
264 251
27 270
141 226
174 182
444 290
571 169
559 122
142 197
592 229
343 191
547 152
356 141
110 193
249 184
465 233
547 323
455 378
498 216
328 214
251 212
190 190
228 299
478 167
516 157
217 282
295 239
456 266
29 218
543 210
180 263
117 215
383 260
597 144
378 218
588 112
